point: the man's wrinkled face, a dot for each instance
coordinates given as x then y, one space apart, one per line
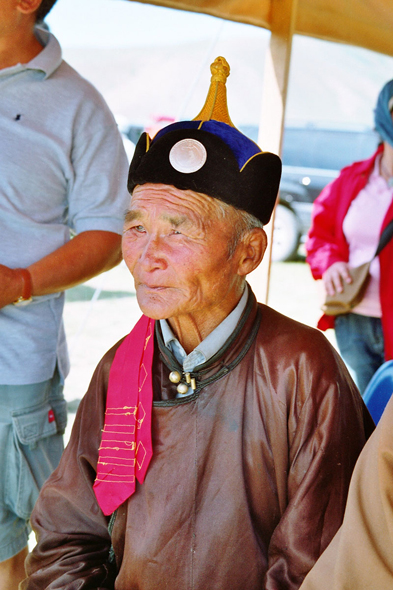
176 247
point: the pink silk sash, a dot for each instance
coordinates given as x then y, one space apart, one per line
126 446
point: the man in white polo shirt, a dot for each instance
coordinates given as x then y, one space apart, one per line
63 172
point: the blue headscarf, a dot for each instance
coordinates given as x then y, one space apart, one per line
382 115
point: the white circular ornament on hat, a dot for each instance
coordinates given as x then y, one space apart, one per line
188 155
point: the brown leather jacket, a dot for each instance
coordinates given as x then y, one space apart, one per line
248 480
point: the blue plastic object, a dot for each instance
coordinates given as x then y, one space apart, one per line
379 390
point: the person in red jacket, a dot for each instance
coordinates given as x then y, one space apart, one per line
348 218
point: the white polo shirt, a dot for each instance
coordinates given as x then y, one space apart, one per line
63 169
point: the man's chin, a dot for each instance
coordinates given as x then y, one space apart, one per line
151 309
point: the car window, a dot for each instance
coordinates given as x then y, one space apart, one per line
328 149
325 148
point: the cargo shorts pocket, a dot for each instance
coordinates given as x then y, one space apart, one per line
37 448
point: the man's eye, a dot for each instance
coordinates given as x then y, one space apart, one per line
134 229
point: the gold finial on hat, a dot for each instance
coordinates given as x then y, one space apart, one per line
215 106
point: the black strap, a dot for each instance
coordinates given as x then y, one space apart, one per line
111 556
385 237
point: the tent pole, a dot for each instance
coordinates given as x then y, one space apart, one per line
274 96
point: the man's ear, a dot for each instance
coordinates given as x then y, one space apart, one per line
252 248
28 6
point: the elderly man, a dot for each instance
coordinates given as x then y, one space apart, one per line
241 426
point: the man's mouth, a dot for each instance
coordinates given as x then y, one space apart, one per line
152 287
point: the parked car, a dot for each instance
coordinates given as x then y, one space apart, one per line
312 157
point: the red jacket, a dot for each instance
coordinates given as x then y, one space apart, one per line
326 243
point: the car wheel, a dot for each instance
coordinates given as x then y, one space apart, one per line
286 235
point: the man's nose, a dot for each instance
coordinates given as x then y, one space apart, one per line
152 255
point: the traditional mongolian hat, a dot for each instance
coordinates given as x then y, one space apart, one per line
209 155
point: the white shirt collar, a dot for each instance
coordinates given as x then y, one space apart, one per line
47 61
210 345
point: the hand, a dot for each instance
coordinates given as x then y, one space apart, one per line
335 276
80 259
10 285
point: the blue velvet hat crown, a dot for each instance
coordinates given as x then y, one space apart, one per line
209 155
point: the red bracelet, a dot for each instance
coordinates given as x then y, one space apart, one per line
27 286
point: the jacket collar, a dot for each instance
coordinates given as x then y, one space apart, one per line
224 361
